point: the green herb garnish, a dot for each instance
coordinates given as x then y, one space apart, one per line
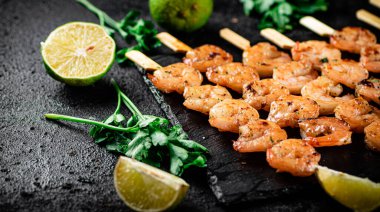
282 14
324 60
130 29
146 138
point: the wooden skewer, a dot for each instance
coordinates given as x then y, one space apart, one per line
368 17
173 43
316 26
142 60
277 38
375 3
234 38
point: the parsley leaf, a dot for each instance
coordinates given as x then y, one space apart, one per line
282 14
146 138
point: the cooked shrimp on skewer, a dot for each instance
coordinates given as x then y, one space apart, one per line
347 72
294 156
263 57
370 58
258 136
326 93
315 52
288 110
261 93
369 89
232 75
230 114
294 75
352 39
325 131
175 77
372 135
203 97
207 56
357 113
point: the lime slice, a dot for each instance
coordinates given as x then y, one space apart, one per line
146 188
359 194
78 53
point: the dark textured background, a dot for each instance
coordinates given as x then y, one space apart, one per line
47 166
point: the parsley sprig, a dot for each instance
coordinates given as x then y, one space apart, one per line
130 29
282 14
147 138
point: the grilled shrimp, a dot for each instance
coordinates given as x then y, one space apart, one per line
261 93
232 75
369 89
263 57
207 56
203 97
352 39
315 52
370 58
372 135
258 136
288 110
357 113
326 93
230 114
175 77
325 131
294 75
294 156
347 72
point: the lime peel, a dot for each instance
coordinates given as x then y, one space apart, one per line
359 194
145 188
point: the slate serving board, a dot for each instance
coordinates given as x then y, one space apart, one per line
52 166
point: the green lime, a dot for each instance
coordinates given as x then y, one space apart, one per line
78 53
146 188
359 194
181 15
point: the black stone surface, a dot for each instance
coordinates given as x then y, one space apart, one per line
50 166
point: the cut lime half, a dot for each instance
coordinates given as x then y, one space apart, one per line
78 53
359 194
145 188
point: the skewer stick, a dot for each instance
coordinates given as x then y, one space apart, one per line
368 17
234 38
142 60
173 43
316 26
277 38
375 3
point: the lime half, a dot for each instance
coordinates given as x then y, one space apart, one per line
359 194
146 188
78 53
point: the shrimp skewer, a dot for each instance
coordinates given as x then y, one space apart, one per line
288 110
263 57
357 113
258 136
351 39
260 94
369 89
232 75
325 131
294 156
326 93
172 78
312 51
347 72
200 58
230 114
372 135
202 98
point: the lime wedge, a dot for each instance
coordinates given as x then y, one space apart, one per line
146 188
359 194
78 53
